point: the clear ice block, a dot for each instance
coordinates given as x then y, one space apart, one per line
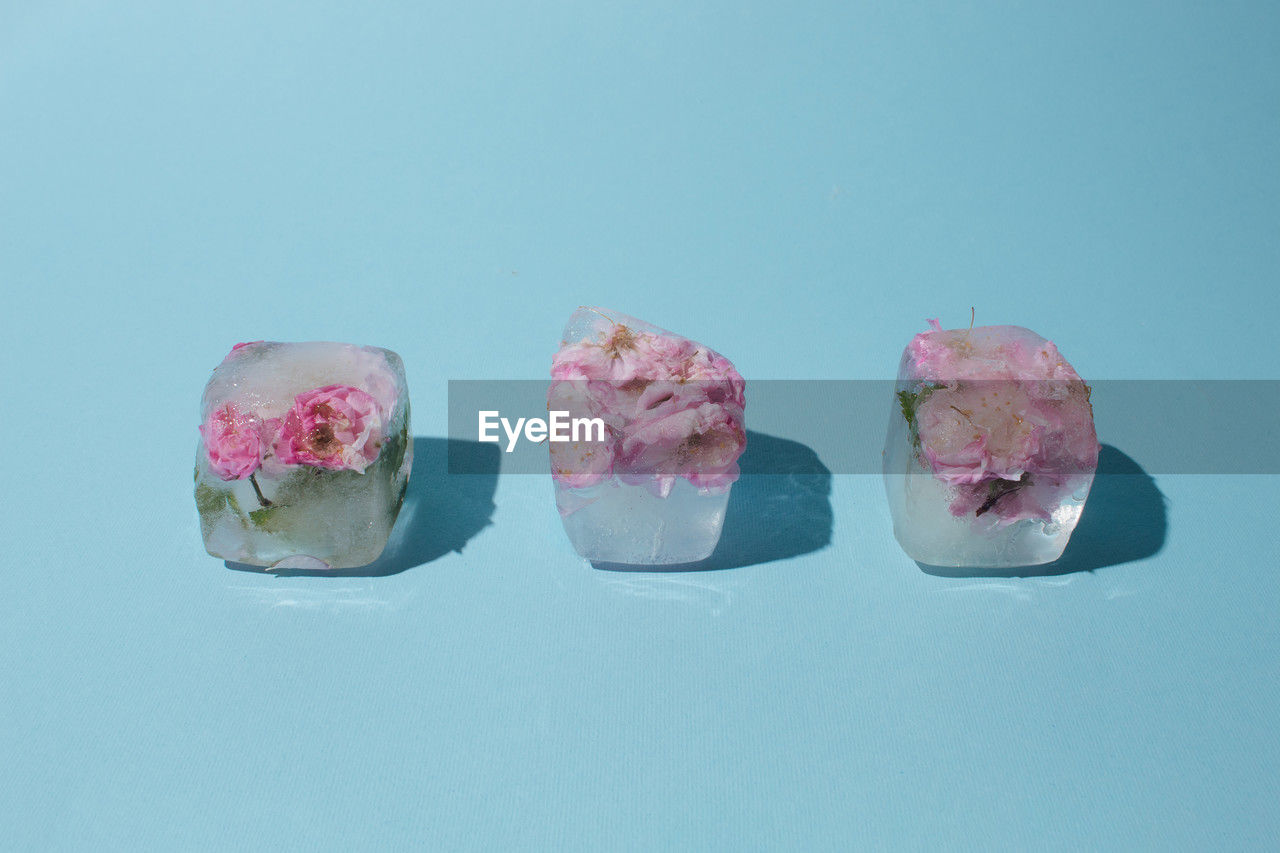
650 484
618 523
991 448
304 454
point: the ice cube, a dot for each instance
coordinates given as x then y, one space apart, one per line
651 486
991 448
304 454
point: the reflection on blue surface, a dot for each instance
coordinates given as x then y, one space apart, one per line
1124 520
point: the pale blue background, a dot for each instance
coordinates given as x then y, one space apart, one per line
796 184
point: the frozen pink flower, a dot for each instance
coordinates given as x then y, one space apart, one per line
986 352
338 427
701 444
582 464
233 440
674 405
716 376
1001 418
971 432
620 355
1009 447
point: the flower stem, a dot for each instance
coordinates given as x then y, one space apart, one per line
257 490
1000 488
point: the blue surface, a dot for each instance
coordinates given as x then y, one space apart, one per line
798 187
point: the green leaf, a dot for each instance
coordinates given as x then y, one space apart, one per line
910 403
269 518
210 500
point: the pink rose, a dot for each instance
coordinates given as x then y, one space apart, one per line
673 408
701 444
977 431
1002 419
1013 448
338 427
233 441
621 355
716 376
